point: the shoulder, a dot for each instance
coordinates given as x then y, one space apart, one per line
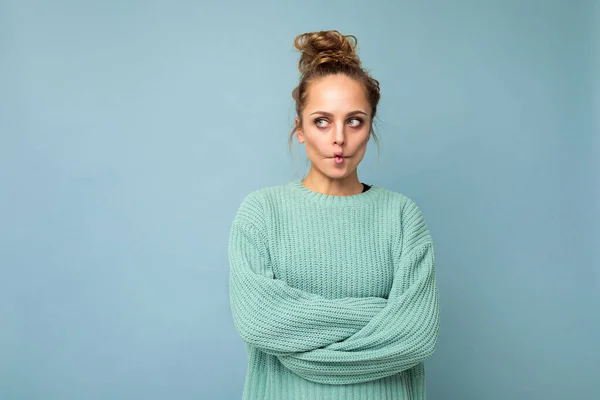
412 222
400 202
256 203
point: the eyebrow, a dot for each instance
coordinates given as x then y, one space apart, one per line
330 114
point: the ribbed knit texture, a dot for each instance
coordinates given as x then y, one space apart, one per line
334 296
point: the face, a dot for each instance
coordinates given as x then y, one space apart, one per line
336 119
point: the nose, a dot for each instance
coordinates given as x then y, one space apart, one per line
339 136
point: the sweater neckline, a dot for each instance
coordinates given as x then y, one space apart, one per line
332 200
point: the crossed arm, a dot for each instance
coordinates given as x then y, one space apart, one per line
337 341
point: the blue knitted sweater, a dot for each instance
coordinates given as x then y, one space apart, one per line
334 296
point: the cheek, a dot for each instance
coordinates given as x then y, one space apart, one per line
311 148
315 144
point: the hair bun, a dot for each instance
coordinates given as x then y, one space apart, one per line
326 46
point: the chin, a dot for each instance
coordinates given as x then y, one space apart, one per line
341 173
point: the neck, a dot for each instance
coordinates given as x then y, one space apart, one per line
346 186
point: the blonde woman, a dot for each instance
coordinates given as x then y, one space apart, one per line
332 281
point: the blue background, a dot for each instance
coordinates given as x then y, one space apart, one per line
131 131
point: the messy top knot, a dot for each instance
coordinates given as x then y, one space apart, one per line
326 46
327 53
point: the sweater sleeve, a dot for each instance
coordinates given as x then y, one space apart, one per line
280 319
401 335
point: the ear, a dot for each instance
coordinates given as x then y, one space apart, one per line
299 133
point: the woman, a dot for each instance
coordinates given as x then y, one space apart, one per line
332 281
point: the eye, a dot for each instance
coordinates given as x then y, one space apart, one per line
360 121
317 122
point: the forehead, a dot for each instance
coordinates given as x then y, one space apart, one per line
336 92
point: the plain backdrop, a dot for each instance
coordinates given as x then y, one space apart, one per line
130 131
